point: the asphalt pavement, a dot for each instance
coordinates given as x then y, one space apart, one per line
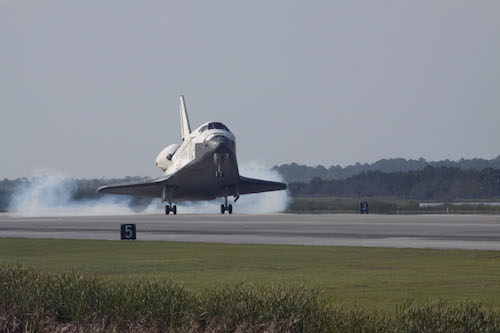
400 231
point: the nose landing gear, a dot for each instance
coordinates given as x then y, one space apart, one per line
219 159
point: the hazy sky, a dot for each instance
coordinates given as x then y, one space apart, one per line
91 88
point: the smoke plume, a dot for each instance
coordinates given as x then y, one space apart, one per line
52 194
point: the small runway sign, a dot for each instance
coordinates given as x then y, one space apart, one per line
363 207
127 231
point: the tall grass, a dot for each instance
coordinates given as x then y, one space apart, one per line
31 301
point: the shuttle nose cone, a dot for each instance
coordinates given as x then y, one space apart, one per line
221 144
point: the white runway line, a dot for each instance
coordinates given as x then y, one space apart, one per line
400 231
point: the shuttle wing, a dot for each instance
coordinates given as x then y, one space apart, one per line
149 188
154 187
251 185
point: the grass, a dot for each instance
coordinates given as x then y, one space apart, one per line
31 301
374 278
381 205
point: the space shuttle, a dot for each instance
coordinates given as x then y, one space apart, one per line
202 167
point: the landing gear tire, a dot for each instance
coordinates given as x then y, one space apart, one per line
172 209
224 208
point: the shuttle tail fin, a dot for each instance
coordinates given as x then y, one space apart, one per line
185 127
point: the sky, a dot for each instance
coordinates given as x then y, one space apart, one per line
91 88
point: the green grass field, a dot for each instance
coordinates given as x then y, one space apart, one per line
382 205
378 278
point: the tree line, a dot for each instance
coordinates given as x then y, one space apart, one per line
294 172
431 183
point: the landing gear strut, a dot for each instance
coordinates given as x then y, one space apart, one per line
225 207
169 208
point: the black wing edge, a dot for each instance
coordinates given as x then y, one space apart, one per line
251 185
149 188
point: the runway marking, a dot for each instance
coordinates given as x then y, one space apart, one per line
414 231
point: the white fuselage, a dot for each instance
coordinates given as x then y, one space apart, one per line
175 157
202 167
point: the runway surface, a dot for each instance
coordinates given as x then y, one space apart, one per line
403 231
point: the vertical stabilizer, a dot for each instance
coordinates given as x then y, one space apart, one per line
185 128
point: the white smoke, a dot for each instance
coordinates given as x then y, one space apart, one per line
51 194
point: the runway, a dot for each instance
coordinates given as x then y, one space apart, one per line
400 231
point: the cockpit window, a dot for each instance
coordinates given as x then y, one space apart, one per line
214 126
217 126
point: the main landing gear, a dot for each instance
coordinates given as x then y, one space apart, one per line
172 209
224 208
169 208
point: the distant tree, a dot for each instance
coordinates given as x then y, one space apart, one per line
294 172
430 183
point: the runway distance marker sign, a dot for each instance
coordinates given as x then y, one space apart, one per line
127 231
363 207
